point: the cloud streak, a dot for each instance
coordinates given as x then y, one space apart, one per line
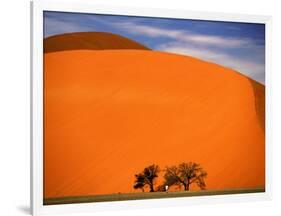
186 36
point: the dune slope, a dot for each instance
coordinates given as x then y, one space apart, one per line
106 122
89 41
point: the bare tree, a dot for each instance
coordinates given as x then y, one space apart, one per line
147 177
186 174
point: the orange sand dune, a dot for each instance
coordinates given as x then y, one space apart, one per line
89 41
108 114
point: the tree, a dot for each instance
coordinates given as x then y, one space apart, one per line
186 174
147 177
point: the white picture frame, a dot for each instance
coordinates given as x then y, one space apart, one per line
37 8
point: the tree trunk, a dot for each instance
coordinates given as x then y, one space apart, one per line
185 186
151 187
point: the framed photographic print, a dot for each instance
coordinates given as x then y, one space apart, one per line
139 107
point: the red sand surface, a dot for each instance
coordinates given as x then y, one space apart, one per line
110 113
89 41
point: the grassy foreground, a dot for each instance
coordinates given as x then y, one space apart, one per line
146 195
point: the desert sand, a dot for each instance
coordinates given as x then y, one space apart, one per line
89 41
109 113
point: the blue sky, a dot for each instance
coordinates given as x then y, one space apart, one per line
240 46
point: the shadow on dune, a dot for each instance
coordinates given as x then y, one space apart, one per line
89 41
259 93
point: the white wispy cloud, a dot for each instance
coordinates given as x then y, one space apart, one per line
186 36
